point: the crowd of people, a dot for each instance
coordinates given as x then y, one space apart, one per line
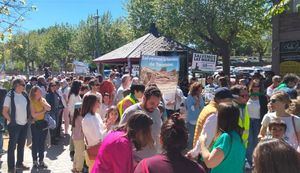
119 125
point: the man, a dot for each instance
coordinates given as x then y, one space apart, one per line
241 96
31 83
149 104
172 105
136 92
275 83
16 110
207 120
126 80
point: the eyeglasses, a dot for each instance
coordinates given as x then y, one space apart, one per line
273 100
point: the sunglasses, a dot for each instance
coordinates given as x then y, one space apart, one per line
22 85
256 86
273 100
52 85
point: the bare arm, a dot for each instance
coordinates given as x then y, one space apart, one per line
262 132
46 105
5 113
211 159
34 113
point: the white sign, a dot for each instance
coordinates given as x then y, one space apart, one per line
204 62
135 71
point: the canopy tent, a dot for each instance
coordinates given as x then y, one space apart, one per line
145 45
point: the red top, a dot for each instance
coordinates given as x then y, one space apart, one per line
161 163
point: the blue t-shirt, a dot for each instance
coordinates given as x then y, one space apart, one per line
192 111
234 153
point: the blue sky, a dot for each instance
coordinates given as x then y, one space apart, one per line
51 12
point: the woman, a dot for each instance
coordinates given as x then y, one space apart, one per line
174 138
92 126
116 152
74 96
257 108
275 156
280 102
54 100
64 90
228 152
194 105
38 107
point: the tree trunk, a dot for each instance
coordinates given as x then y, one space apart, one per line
225 53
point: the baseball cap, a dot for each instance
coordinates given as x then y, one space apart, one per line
223 93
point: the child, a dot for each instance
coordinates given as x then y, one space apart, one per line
112 118
78 139
277 128
104 106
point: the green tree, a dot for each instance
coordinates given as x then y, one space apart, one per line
212 24
12 12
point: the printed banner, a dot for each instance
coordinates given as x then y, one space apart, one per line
161 70
204 62
135 70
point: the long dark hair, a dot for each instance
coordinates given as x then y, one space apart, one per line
174 134
88 104
228 118
75 88
275 156
77 113
139 122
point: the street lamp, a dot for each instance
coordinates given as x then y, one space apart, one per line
96 18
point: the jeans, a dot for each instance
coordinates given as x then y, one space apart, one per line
191 129
38 142
17 135
252 140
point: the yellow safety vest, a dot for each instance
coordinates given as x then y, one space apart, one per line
245 124
121 103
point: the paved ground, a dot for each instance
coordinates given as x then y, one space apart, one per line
56 157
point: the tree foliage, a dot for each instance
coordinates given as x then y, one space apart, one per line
210 25
11 13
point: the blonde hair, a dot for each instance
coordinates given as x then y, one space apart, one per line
33 91
294 107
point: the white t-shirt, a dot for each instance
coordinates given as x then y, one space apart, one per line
210 129
21 107
290 135
93 129
253 108
71 103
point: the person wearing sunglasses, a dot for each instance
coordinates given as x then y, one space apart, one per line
257 108
279 102
241 96
16 110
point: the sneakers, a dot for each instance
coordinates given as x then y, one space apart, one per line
43 165
22 167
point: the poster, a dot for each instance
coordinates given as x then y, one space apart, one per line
290 57
161 70
204 62
135 70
